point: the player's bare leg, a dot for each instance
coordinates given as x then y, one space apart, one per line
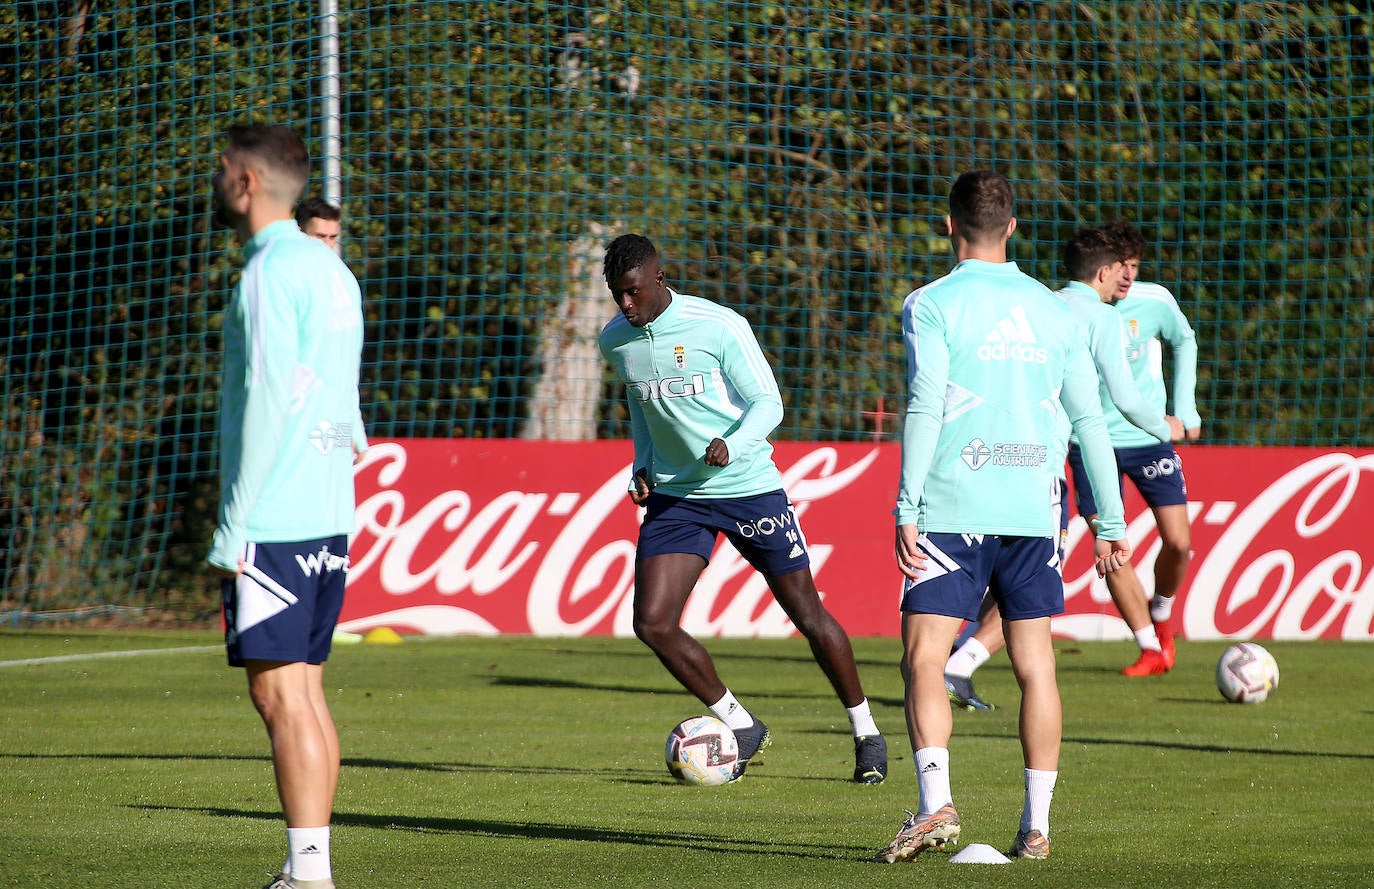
1128 594
1171 565
315 678
926 639
797 594
662 585
1175 551
301 756
1031 649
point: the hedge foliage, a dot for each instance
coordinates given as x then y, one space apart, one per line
791 160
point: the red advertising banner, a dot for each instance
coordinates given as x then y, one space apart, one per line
526 537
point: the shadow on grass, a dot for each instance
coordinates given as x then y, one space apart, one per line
822 691
1176 745
545 831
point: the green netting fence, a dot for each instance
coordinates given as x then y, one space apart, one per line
791 160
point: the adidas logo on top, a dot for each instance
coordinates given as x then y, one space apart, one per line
1012 339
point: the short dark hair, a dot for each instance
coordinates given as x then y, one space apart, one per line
1089 250
625 254
980 203
316 208
1131 243
276 147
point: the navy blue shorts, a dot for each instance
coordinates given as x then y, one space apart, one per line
286 602
763 528
1021 574
1155 470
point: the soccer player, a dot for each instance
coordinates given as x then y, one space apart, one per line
1151 315
702 402
293 334
994 361
1095 269
320 220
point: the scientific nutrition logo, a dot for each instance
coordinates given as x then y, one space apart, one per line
978 453
975 454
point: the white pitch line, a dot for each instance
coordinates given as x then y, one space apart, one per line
97 655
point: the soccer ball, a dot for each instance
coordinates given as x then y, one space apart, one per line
1246 673
702 751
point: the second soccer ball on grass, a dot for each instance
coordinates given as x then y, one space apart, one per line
1247 673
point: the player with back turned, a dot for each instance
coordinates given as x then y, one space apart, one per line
1095 265
994 361
702 402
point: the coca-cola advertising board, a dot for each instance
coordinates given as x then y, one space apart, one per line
532 537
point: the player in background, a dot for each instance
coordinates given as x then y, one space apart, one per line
320 220
1095 269
1151 317
293 334
994 360
702 402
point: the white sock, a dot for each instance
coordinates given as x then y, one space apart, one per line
1148 639
1161 609
1035 815
932 774
732 712
969 657
861 720
309 857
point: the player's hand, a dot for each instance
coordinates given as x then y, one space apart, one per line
1176 431
1111 555
217 571
910 559
1193 434
642 487
717 454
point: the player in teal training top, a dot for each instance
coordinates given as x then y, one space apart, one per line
1095 269
289 426
1151 317
994 360
702 402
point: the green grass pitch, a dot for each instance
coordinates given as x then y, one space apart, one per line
522 762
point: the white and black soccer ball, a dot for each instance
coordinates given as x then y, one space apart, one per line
1247 673
702 751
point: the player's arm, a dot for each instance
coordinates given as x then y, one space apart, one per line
272 352
641 472
1079 397
744 365
1181 339
927 360
359 436
1109 355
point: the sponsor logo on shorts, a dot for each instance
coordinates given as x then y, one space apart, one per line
321 562
1162 466
767 526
